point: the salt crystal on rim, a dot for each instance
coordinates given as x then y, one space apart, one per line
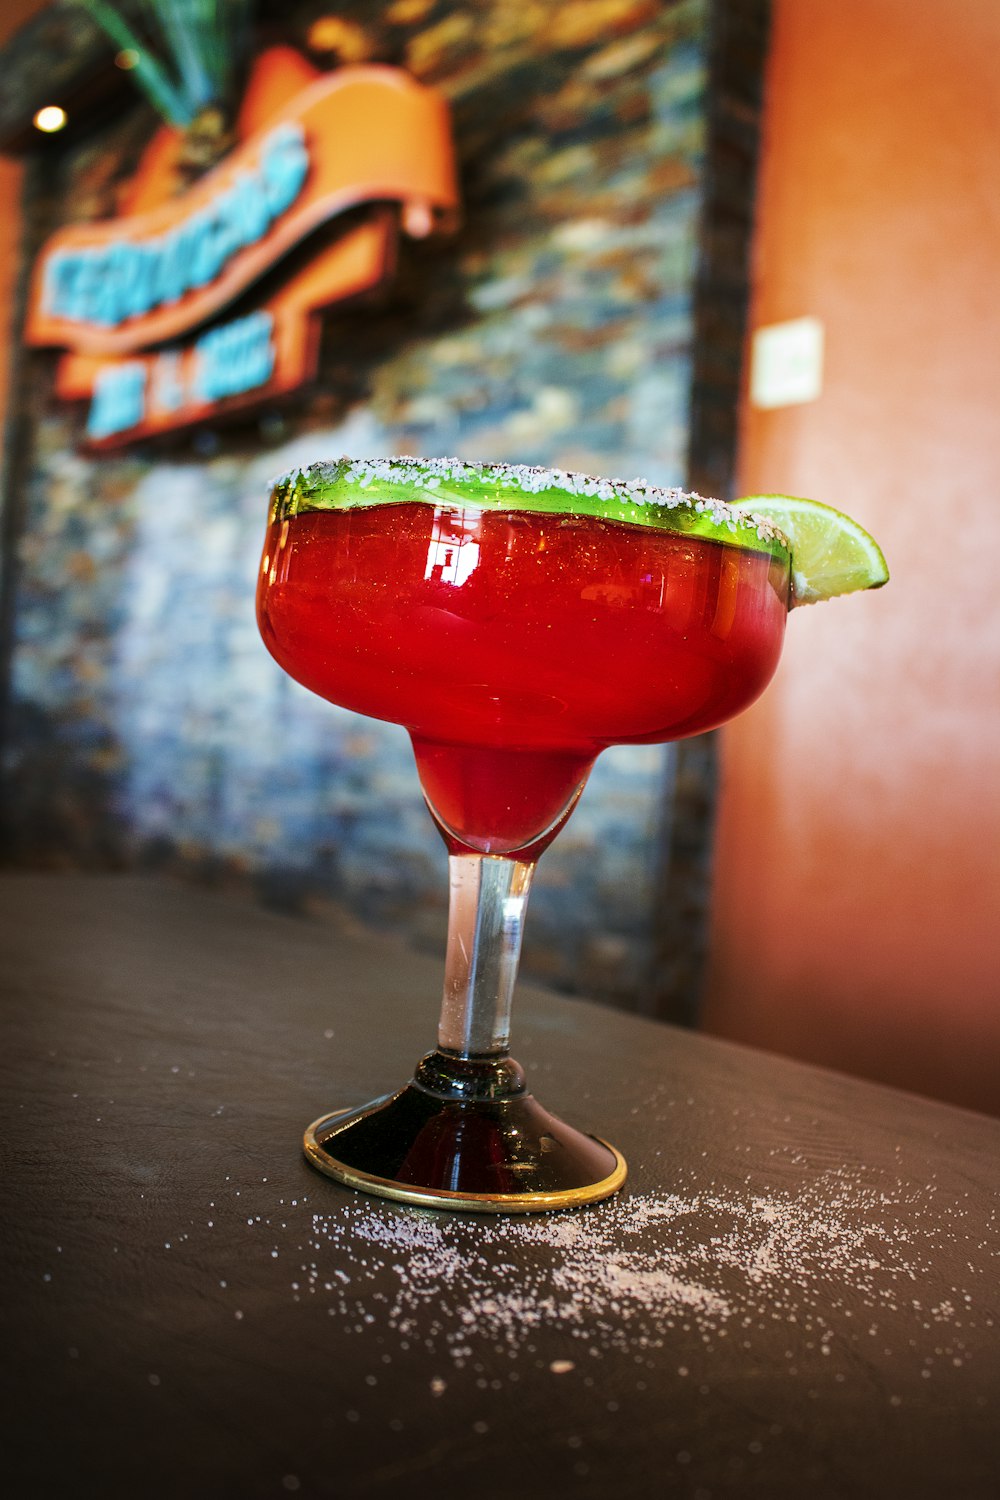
530 479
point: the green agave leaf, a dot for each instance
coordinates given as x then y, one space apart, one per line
180 24
205 40
149 74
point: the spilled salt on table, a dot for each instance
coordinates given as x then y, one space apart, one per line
829 1261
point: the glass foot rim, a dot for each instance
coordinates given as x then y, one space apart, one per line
384 1187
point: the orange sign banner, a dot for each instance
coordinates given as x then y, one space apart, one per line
234 364
361 135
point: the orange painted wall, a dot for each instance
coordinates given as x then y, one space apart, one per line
857 903
10 194
13 14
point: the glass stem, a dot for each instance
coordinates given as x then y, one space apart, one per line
485 921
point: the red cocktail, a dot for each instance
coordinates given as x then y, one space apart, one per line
516 645
517 622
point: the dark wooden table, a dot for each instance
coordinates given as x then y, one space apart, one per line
795 1296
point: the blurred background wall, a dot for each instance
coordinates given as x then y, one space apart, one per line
856 869
149 728
857 880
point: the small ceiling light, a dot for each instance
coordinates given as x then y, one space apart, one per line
50 118
127 59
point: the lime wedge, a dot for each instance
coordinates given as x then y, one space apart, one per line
831 554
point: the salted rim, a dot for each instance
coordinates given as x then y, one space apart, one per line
349 483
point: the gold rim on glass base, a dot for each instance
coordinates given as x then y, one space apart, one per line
478 1155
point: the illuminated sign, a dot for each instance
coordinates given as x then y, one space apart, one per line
153 306
131 274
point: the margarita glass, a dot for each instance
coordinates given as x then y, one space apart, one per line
516 621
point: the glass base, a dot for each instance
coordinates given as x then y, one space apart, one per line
465 1134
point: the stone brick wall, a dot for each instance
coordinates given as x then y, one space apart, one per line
148 725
